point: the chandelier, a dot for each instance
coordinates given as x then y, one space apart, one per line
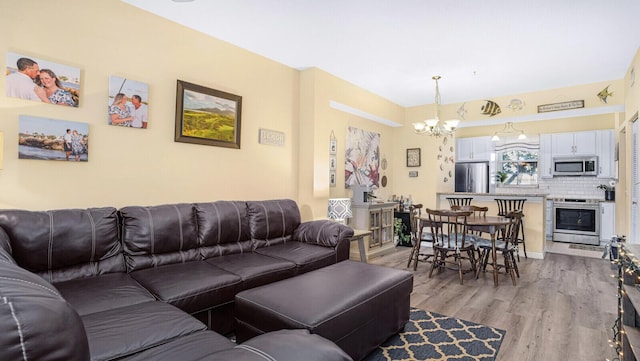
435 127
508 131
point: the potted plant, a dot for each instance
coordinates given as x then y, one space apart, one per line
609 190
400 238
501 176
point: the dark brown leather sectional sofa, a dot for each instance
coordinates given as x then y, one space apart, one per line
151 283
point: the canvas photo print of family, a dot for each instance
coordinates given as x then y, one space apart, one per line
40 80
207 116
51 139
128 103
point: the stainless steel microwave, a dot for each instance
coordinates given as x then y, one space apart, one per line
575 166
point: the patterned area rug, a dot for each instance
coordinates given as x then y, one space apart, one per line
431 336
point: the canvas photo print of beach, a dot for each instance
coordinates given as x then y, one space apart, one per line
52 139
41 80
128 103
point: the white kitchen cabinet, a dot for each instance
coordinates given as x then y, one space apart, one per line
607 220
606 154
545 157
574 144
476 149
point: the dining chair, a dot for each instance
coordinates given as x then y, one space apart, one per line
476 211
459 201
506 243
415 211
507 205
450 243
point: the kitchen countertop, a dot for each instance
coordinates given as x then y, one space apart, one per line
510 195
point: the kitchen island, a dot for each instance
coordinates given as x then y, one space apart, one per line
534 211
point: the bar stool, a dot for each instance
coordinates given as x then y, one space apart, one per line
504 207
459 201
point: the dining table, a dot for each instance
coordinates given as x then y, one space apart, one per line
484 224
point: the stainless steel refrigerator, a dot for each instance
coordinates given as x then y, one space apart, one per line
472 177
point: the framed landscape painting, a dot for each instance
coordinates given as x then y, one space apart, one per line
207 116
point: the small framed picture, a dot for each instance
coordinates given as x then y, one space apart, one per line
333 146
332 179
413 157
333 161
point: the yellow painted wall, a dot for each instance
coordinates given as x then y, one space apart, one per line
318 89
132 166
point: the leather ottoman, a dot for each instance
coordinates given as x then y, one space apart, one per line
356 305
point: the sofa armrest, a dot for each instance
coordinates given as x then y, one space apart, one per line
322 232
5 248
36 323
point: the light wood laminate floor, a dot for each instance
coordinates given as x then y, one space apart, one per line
562 308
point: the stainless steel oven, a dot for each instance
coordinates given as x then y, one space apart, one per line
576 221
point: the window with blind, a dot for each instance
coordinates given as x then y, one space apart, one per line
517 162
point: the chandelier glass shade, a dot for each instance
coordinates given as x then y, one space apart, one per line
508 131
435 127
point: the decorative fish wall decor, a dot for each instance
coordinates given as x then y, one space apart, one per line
462 111
490 108
604 94
516 104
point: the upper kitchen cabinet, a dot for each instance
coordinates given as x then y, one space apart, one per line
545 164
606 154
476 149
570 144
596 142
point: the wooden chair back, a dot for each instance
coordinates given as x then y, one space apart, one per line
415 211
475 210
512 230
449 228
459 201
507 205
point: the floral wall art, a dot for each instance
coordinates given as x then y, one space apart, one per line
362 158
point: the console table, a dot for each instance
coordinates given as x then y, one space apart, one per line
378 219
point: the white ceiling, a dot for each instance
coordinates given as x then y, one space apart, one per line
482 49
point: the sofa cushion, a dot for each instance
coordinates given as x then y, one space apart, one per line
223 228
196 346
273 221
36 323
192 286
307 257
284 345
159 235
104 292
65 244
255 269
126 330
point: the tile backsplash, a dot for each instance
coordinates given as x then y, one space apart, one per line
563 187
573 187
